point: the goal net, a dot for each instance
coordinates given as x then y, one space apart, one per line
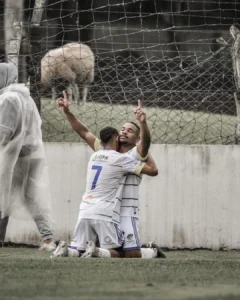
164 52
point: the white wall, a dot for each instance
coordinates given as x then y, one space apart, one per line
192 203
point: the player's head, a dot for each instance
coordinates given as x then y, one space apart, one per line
8 75
109 137
129 134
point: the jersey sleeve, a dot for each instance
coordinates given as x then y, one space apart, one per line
136 155
97 145
131 164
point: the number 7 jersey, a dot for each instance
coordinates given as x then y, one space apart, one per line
102 198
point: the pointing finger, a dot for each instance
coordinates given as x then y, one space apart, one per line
139 103
64 95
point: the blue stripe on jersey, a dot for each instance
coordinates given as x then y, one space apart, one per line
129 184
104 215
115 221
107 201
129 174
119 166
132 248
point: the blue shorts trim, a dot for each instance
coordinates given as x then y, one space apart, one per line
119 234
72 247
132 248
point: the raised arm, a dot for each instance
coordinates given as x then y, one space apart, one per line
145 137
78 126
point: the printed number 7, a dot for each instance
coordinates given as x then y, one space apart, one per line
98 169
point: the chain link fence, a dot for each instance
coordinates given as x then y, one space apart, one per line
164 52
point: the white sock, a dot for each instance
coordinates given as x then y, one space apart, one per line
73 252
148 252
103 253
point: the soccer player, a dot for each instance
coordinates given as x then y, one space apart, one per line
99 215
23 189
130 136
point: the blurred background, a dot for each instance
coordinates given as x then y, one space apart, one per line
163 51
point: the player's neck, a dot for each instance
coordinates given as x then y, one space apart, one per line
111 146
125 148
107 148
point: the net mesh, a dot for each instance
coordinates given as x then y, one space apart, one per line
162 51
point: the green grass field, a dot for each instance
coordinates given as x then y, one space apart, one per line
167 126
30 274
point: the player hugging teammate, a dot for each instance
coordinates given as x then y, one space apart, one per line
109 209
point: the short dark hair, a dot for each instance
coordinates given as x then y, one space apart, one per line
136 125
107 133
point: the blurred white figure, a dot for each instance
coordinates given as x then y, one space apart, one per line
69 68
22 158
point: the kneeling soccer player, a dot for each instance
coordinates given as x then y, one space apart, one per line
99 215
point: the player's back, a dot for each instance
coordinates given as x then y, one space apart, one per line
105 171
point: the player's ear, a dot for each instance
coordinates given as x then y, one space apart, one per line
117 139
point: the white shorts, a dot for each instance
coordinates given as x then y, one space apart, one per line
106 234
129 226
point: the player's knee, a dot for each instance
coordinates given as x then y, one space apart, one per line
132 254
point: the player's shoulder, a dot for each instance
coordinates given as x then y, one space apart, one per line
133 150
114 154
119 158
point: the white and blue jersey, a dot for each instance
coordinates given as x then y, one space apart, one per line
102 198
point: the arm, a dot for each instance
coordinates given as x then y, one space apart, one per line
150 168
145 136
78 126
132 165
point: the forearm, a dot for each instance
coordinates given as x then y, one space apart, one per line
145 139
150 162
81 129
76 124
150 167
